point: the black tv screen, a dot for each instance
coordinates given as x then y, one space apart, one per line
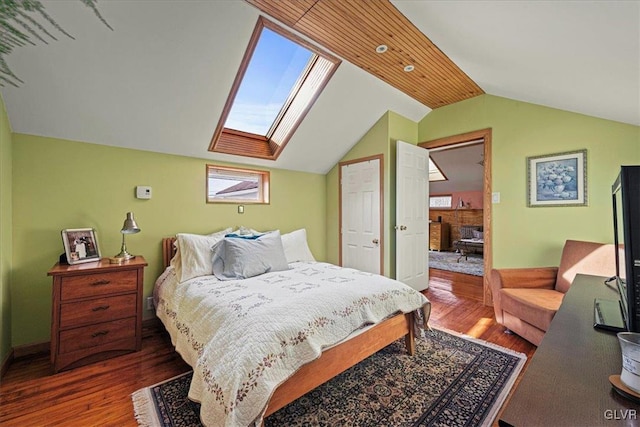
626 226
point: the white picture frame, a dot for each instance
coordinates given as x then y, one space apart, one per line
80 245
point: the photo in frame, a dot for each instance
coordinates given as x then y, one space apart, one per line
557 179
80 245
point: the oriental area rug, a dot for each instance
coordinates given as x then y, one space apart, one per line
453 261
452 380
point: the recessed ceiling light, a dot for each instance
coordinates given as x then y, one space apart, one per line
409 68
382 48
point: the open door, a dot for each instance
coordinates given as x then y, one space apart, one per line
412 215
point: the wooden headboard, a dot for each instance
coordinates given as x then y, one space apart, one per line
168 250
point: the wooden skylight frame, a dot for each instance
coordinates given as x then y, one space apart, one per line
303 95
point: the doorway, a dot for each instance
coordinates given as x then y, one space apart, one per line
484 136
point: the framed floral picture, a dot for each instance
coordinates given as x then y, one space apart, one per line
557 179
80 245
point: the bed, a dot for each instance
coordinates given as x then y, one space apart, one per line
220 327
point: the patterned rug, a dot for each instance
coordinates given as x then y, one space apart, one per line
451 381
452 261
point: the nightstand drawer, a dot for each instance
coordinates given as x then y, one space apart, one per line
91 285
97 310
97 335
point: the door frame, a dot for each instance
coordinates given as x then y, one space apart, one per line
484 134
379 157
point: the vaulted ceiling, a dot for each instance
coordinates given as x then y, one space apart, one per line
160 80
354 29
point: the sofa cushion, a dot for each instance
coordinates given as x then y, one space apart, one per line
535 306
524 329
585 258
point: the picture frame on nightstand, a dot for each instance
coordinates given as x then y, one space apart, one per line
80 245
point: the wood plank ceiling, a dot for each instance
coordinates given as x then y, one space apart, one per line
353 29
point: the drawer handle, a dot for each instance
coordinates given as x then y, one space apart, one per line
99 333
101 282
100 307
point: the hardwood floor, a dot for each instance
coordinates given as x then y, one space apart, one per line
461 285
456 304
99 394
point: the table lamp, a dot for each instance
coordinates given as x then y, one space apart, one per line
129 227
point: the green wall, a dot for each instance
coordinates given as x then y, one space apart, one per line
49 184
61 184
524 236
380 139
5 233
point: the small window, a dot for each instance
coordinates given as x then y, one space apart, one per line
440 201
233 185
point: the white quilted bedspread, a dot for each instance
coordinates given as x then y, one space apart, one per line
243 338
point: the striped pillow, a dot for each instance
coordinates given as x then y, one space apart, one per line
466 231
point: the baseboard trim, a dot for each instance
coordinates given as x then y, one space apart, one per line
28 350
149 326
6 363
23 351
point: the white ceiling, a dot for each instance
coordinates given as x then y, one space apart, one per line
460 165
581 56
159 81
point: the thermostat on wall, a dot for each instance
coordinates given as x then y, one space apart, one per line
143 192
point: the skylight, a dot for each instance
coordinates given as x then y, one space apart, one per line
435 174
275 67
279 79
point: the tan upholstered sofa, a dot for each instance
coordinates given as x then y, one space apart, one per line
526 299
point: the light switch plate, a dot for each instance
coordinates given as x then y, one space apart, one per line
495 197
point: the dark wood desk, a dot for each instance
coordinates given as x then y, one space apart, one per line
567 381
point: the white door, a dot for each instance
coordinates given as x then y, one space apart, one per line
360 189
412 215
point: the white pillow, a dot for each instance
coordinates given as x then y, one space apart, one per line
193 257
241 258
248 232
296 247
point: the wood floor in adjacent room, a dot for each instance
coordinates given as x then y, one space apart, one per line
99 394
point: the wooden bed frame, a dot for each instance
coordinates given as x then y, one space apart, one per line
334 360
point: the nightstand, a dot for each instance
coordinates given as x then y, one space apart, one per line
438 236
96 311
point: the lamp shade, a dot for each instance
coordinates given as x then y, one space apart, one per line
130 226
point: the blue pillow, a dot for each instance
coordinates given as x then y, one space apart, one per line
239 258
244 236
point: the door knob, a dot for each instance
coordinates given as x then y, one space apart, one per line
375 241
400 227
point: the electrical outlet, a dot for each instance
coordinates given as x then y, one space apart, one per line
149 303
